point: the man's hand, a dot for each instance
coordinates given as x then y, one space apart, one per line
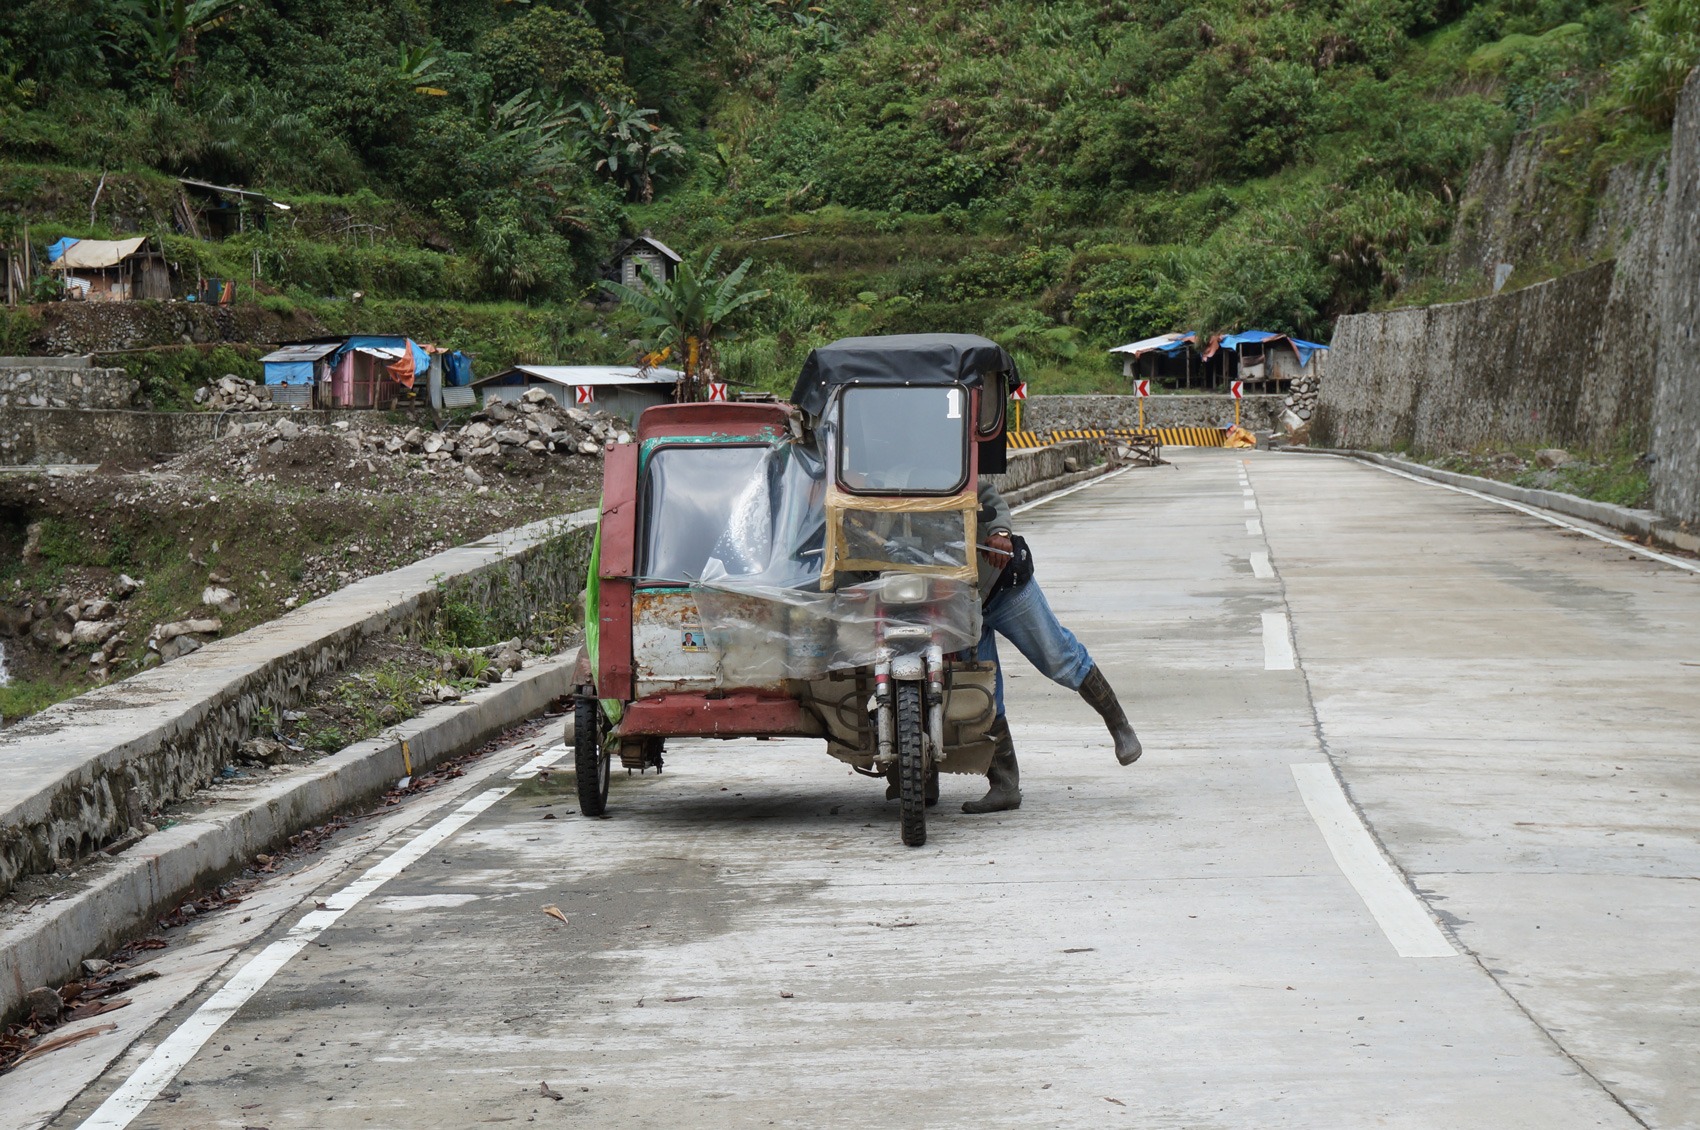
997 549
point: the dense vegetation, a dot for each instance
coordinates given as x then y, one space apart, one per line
1061 176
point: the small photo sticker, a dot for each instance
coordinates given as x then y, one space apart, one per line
692 640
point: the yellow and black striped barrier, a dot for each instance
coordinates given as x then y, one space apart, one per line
1169 437
1025 441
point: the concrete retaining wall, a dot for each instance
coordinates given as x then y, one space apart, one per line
1676 399
49 386
81 774
1062 413
66 435
1594 358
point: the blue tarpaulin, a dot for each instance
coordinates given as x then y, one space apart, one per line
421 361
289 372
56 249
1252 337
457 369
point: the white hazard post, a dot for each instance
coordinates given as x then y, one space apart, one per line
716 390
1142 389
1238 389
584 394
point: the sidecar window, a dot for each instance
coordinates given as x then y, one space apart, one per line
689 494
910 439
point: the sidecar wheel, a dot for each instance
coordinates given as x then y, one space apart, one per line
911 772
591 756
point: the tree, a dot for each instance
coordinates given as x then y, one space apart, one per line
626 144
689 314
168 30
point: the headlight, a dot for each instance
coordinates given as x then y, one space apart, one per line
903 588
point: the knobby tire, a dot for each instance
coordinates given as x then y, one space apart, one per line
911 767
591 758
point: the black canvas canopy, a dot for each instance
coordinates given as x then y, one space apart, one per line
897 359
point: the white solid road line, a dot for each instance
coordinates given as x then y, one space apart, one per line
1066 491
1395 907
183 1043
539 763
1537 512
1254 527
1277 643
1260 567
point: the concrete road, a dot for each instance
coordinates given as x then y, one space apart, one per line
1414 844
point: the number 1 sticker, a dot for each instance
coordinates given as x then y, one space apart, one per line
954 397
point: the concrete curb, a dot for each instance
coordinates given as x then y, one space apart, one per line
1026 494
46 946
1641 523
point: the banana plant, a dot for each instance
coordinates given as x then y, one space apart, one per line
689 314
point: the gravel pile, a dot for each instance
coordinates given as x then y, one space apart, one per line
231 393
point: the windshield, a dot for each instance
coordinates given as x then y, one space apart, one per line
690 494
903 439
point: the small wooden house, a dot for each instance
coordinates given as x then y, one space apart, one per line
111 270
644 251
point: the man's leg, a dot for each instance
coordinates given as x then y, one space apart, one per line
1024 617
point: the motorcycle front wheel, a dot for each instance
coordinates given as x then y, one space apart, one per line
911 767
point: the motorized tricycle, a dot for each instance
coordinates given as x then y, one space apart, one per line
803 569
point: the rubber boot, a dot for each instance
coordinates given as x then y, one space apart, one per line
1003 774
1097 693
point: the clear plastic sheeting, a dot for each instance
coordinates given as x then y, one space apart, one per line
898 572
760 634
931 540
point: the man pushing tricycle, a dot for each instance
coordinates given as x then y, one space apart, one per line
814 569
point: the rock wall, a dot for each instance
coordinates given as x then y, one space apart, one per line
1061 413
1676 398
68 435
51 386
107 327
1565 362
1599 356
156 738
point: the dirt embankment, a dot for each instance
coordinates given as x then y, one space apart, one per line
104 574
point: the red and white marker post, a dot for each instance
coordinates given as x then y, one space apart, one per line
584 394
716 390
1142 389
1238 389
1018 394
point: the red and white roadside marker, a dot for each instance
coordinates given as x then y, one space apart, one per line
584 394
1020 392
1238 389
716 390
1142 389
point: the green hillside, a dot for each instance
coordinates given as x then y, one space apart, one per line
1062 176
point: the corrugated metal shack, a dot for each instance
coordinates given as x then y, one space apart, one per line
621 390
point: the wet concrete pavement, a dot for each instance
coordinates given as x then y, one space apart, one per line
1209 938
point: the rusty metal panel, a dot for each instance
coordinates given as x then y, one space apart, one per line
736 715
619 509
669 651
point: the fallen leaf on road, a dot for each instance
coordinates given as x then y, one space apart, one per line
678 1000
786 993
1082 949
549 1092
554 911
1118 1102
65 1041
95 1008
641 926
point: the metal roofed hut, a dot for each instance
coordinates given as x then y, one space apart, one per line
620 390
1167 358
1261 358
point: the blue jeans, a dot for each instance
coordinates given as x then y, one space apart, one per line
1023 617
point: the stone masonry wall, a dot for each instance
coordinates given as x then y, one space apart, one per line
1589 359
1676 399
67 435
49 386
1062 413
